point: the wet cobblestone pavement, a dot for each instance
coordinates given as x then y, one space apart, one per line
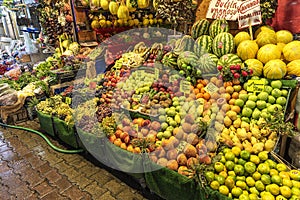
30 169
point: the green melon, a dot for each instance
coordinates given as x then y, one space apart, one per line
203 45
229 59
223 44
207 63
199 28
218 26
186 43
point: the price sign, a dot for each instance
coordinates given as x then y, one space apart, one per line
211 88
249 13
135 127
255 85
185 86
136 97
181 146
68 100
222 9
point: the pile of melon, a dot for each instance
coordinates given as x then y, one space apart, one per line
271 54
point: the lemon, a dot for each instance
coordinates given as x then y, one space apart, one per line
223 189
274 189
287 182
281 167
286 191
236 191
273 172
236 150
215 185
250 181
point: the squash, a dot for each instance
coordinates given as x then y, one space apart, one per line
268 52
291 51
241 36
255 65
293 68
266 37
284 36
247 49
275 69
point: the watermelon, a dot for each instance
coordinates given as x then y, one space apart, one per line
186 43
188 58
223 44
229 59
207 63
199 28
170 60
203 45
218 26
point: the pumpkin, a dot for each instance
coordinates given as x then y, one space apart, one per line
255 65
266 37
275 69
262 28
247 49
291 51
241 36
293 68
284 36
268 52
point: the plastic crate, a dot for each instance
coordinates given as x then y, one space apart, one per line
46 123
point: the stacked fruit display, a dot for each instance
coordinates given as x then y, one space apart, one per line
240 174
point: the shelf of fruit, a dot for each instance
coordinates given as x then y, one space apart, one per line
209 106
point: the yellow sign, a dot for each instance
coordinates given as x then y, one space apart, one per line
255 85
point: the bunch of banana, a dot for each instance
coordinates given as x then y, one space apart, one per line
156 48
130 59
141 49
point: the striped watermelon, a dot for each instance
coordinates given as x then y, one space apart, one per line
188 58
223 44
229 59
218 26
207 63
203 45
199 28
186 43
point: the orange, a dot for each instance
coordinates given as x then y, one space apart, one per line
236 81
200 85
199 95
243 92
202 90
236 109
206 96
204 82
196 91
235 95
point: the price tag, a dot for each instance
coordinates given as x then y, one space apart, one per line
211 88
117 73
156 73
136 97
68 100
172 78
181 146
185 86
255 85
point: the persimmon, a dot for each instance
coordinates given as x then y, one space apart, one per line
196 91
235 95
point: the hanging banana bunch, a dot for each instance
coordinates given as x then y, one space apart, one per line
104 4
131 5
123 11
113 7
143 3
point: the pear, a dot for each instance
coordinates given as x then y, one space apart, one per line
227 121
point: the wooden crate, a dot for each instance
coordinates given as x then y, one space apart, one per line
59 88
18 116
84 36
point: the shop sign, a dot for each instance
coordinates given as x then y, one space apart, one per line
223 9
249 13
255 86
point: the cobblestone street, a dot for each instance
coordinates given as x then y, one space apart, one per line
30 169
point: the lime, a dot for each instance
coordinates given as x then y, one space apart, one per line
287 182
281 167
239 170
259 186
241 184
245 154
250 181
253 190
215 185
286 191
263 155
236 150
220 179
223 189
265 179
229 156
256 176
236 191
250 167
210 176
229 165
274 189
263 168
255 159
276 179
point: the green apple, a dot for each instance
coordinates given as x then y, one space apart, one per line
261 104
243 96
245 86
239 102
164 126
276 93
246 112
167 134
281 101
256 113
284 92
252 97
162 118
250 104
271 99
263 96
268 89
265 115
276 84
237 88
265 80
159 135
246 119
175 99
